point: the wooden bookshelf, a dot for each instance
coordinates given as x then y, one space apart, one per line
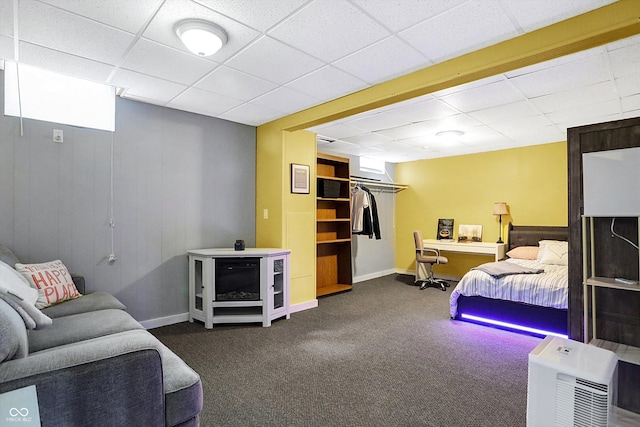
333 226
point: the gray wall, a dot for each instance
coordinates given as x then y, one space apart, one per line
181 181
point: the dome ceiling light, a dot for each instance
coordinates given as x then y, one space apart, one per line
201 37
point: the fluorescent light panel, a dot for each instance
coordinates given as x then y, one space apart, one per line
39 94
514 326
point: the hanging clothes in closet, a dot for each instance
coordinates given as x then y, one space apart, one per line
364 213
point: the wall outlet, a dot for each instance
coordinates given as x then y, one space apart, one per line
265 214
58 136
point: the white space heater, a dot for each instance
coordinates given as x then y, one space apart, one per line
570 384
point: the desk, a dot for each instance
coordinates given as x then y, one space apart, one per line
476 248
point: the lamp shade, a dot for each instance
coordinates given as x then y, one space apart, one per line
500 208
201 37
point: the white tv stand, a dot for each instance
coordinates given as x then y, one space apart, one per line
274 287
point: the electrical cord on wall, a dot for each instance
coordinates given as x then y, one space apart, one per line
16 56
112 224
614 234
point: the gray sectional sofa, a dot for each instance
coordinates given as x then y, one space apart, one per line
95 365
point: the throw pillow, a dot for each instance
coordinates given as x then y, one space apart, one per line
553 252
524 252
52 280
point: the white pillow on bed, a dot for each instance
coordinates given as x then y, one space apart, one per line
553 252
524 252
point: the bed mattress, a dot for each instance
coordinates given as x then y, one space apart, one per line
547 289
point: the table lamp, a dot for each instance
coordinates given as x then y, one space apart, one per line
500 208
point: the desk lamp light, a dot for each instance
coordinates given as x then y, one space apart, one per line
500 208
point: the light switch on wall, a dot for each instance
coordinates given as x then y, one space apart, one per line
265 214
58 135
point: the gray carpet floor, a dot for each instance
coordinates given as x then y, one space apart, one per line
382 354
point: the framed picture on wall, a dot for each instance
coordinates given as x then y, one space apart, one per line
299 178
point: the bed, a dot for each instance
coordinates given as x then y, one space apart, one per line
531 302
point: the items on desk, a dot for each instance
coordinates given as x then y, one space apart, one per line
445 229
469 233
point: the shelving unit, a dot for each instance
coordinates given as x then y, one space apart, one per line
333 225
591 282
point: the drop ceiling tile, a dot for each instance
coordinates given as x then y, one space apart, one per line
336 131
329 29
72 33
126 15
532 15
586 114
378 121
63 63
141 85
628 85
250 114
286 100
429 109
235 84
6 18
245 11
522 126
584 72
626 60
367 139
6 48
479 23
148 57
482 97
267 57
576 98
162 27
327 83
404 13
383 61
504 112
631 103
555 62
203 102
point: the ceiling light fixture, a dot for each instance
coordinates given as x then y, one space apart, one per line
450 133
201 37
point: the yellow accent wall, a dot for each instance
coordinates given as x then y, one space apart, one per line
300 228
532 180
609 23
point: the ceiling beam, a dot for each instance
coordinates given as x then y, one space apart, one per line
595 28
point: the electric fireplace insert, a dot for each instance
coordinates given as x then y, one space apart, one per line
237 279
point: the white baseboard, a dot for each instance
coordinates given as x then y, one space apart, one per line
373 275
164 321
303 306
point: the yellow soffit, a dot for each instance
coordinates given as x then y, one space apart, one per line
604 25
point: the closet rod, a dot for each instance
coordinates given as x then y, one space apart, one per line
372 183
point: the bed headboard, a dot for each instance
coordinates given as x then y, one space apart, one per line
530 235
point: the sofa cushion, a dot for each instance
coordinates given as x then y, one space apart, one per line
182 388
13 334
7 256
52 280
81 327
86 303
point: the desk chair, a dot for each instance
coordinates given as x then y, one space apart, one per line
428 260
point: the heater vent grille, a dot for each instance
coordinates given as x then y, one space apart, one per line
581 403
